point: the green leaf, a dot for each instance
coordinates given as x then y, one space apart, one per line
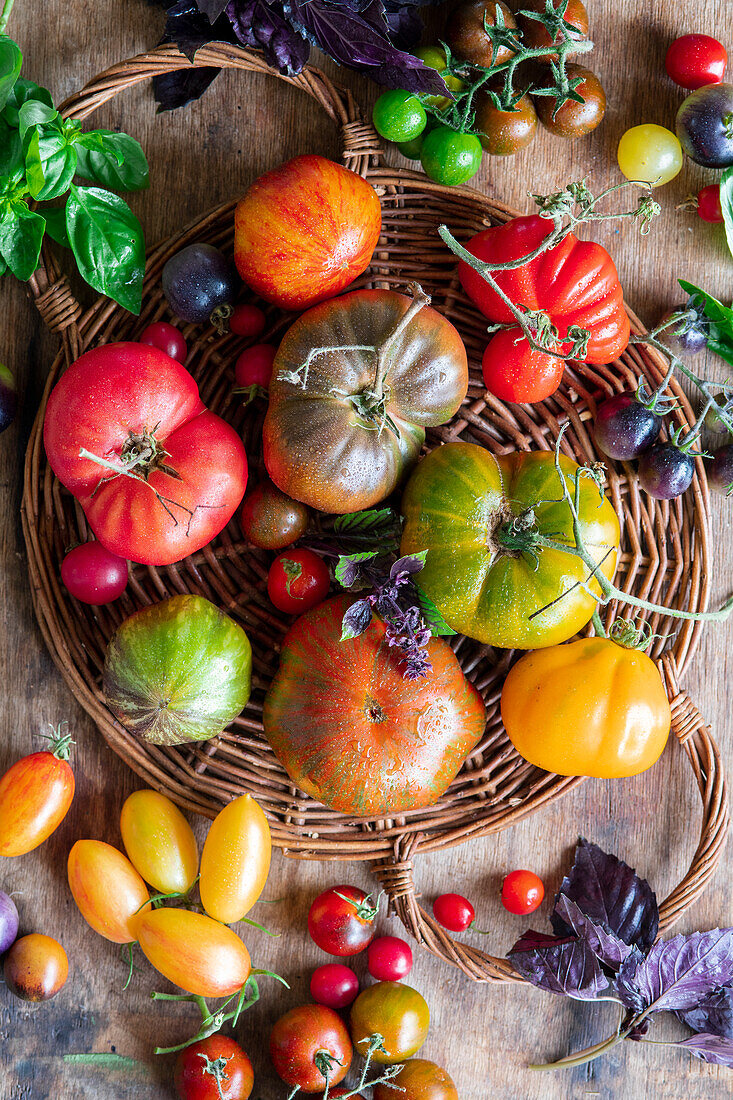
21 234
22 92
364 521
722 348
50 163
11 150
726 205
714 310
115 160
56 224
11 60
344 571
107 241
36 113
105 1061
3 267
431 614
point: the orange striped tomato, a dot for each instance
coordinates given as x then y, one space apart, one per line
107 889
35 795
193 951
159 842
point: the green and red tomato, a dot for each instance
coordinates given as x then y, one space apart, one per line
395 1011
341 920
309 1046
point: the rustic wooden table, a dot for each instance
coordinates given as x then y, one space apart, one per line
485 1036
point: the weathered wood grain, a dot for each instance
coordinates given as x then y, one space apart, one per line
485 1036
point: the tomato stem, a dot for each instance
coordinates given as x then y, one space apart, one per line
59 743
5 15
364 910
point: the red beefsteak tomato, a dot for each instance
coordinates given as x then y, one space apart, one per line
575 282
157 474
356 736
304 231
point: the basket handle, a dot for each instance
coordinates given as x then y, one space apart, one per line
362 148
397 880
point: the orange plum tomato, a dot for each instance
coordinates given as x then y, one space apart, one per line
35 795
36 968
235 861
106 888
159 842
193 951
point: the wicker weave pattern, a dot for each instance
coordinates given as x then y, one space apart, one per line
664 545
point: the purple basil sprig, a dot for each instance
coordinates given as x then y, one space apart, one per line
606 919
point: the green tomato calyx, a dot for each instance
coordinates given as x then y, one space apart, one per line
59 742
365 910
627 634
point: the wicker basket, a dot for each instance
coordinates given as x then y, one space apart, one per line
664 545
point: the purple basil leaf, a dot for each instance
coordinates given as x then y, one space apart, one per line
358 39
413 563
710 1048
264 26
174 90
677 973
713 1014
605 945
567 967
189 28
356 619
212 8
639 1030
611 893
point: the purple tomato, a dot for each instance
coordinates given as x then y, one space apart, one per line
93 574
665 471
8 921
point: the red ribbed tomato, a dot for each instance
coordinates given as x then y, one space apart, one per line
575 282
351 732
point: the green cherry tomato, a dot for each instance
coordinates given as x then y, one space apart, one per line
434 58
450 157
412 149
650 153
399 116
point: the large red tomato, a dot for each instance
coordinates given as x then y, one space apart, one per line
352 733
576 282
167 474
304 231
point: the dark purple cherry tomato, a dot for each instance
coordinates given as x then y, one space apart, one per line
254 366
720 470
297 581
389 959
93 574
695 60
503 133
574 119
689 334
665 471
522 892
708 203
536 35
624 428
334 985
704 126
454 912
272 520
8 921
197 280
167 339
8 398
248 321
341 920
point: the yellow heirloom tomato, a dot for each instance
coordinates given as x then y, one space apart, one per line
107 889
159 842
193 951
235 861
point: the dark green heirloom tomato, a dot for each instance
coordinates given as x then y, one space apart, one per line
178 671
476 514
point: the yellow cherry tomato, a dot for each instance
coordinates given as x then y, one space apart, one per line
107 889
193 951
434 57
650 153
159 842
235 861
590 707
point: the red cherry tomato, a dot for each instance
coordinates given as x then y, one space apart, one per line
247 321
513 371
35 795
167 339
695 60
522 892
310 1045
341 920
254 366
334 985
454 912
297 581
708 203
389 959
93 574
213 1069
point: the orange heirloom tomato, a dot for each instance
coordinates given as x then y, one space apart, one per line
194 952
35 795
36 968
107 889
235 861
591 707
159 842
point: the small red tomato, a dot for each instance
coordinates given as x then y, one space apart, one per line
247 321
708 203
454 912
35 795
297 581
213 1069
513 371
254 366
341 920
522 892
167 339
36 968
389 959
695 60
334 985
93 574
310 1045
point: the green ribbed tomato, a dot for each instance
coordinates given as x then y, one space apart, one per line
467 507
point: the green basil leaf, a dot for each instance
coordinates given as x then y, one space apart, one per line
726 205
431 614
21 234
11 152
714 310
23 91
56 224
107 241
3 267
11 60
722 348
35 113
115 160
50 163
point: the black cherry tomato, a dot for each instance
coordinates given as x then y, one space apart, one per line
574 119
503 133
